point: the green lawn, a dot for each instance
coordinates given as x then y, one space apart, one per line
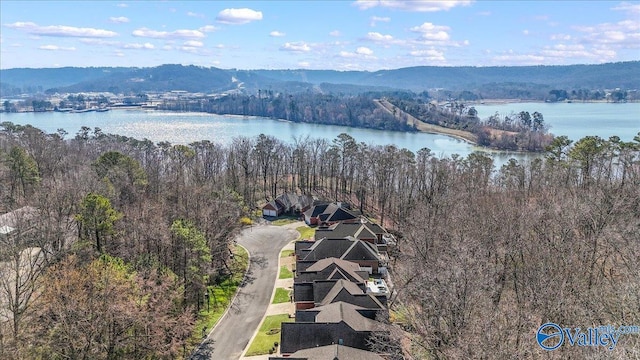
286 253
285 273
220 297
281 296
268 334
284 221
306 232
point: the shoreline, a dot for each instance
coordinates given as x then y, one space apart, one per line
424 127
521 101
491 102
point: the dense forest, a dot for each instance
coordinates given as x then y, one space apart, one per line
131 232
356 110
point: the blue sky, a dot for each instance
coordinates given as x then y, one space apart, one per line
339 35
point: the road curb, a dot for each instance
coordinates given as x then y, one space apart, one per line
273 294
244 277
233 299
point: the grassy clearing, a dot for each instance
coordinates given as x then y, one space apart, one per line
220 296
284 220
287 253
281 296
268 334
306 232
285 273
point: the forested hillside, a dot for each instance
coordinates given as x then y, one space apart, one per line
484 256
526 82
357 110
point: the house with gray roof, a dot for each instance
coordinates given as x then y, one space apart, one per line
364 230
287 203
332 269
360 252
324 292
331 352
336 323
329 214
358 230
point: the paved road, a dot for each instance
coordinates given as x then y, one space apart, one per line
231 336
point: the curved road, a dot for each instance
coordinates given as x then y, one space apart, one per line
233 332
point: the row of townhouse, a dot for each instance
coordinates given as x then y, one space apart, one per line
339 289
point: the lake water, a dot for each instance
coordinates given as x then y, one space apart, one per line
574 120
577 120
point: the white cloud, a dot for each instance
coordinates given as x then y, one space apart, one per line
624 34
56 48
276 33
208 28
299 46
525 32
304 64
194 43
177 34
98 42
119 20
556 54
412 5
430 53
376 36
238 16
364 51
146 46
335 33
361 52
346 54
194 14
167 47
377 19
565 51
627 6
512 58
194 48
61 30
122 5
118 53
431 32
564 37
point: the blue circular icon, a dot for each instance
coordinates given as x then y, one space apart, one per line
550 336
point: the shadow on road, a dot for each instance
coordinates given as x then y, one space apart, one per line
204 351
258 262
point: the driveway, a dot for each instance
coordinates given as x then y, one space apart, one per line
232 334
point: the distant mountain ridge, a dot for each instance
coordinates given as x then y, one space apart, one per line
212 80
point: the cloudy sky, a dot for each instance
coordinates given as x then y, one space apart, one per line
341 35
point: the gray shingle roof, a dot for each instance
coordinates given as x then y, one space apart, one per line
298 336
332 352
346 249
330 213
348 292
342 311
341 230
